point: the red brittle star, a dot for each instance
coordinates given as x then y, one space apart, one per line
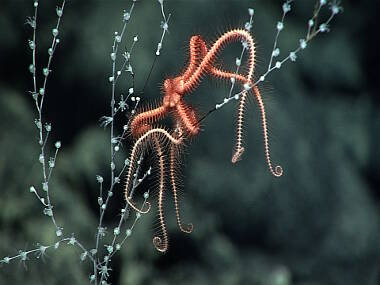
142 125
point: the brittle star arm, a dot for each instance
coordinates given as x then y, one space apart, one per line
173 162
186 116
239 149
197 51
161 244
277 171
138 147
141 122
210 56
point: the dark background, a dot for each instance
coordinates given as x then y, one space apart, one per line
318 224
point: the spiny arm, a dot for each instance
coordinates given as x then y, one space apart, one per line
173 157
161 243
137 147
209 58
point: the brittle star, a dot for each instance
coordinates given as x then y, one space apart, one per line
142 125
200 63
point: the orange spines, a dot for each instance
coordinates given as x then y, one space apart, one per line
187 118
173 89
221 74
209 58
197 51
140 123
